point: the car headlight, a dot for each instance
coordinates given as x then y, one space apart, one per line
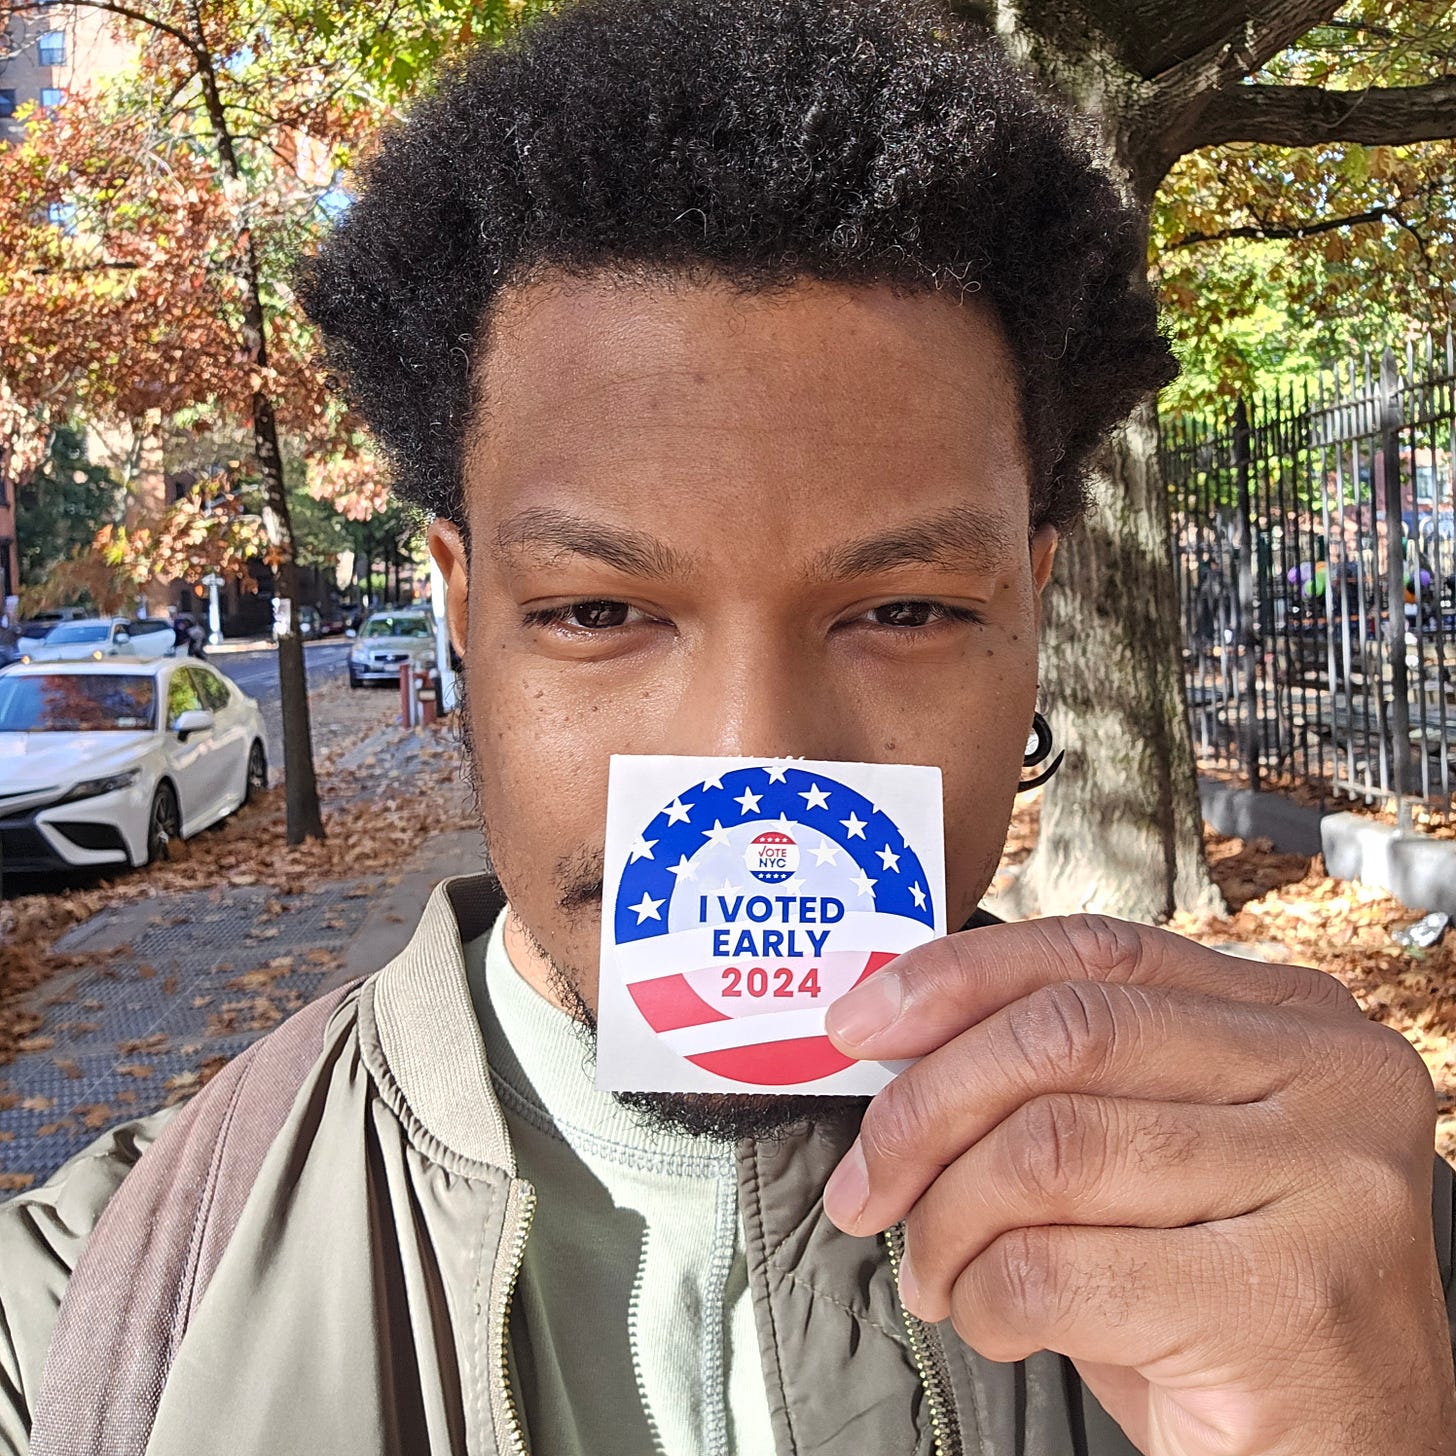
109 785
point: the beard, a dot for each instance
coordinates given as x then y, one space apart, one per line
720 1116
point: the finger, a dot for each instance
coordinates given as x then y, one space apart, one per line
928 994
1069 1158
1076 1036
1120 1296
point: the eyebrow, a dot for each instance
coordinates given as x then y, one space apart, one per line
962 537
634 553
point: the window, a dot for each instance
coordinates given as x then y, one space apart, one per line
75 703
7 102
182 695
53 48
51 97
213 690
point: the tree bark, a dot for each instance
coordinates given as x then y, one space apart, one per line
304 816
1305 116
1121 828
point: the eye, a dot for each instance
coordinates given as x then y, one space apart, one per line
592 616
919 614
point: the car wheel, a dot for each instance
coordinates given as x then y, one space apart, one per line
165 822
354 681
257 773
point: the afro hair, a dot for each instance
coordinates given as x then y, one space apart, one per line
850 141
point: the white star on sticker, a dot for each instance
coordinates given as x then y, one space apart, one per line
793 886
861 882
854 826
677 811
716 782
726 888
889 858
815 797
825 853
647 908
717 834
641 849
776 772
682 867
919 896
748 801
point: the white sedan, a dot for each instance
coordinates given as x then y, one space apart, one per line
98 637
104 762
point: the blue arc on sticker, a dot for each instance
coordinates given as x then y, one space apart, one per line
659 865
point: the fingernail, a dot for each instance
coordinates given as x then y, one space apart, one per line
848 1189
909 1289
870 1008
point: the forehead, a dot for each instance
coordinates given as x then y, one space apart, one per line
669 397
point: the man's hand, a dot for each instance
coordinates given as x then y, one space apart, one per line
1206 1180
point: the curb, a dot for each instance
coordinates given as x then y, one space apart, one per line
1418 870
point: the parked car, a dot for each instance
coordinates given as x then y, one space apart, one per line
105 762
386 640
98 637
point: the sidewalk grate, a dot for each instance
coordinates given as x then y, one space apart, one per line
156 961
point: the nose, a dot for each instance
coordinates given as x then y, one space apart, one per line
760 692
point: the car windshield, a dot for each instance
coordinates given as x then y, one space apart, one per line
73 702
77 632
397 627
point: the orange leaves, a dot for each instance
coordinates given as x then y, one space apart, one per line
186 542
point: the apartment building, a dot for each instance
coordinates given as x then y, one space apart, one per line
49 54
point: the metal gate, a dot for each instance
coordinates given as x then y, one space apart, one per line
1316 560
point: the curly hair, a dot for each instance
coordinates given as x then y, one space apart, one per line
760 141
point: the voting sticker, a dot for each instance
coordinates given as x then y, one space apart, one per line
741 898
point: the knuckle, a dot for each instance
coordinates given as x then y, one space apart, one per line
1022 1275
1320 989
1066 1027
1049 1148
1107 948
1411 1089
896 1121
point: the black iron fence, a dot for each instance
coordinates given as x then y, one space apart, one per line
1315 547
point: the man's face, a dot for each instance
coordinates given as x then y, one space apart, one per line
710 522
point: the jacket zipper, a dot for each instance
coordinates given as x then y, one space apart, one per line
503 1368
929 1360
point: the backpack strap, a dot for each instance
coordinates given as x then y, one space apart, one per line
148 1262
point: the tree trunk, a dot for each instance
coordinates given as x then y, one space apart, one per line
1121 828
305 819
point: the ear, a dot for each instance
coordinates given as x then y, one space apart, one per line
1043 555
447 546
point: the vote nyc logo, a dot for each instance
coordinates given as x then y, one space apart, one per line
771 857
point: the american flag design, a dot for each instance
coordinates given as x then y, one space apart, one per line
753 898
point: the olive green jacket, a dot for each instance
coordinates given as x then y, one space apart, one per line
361 1299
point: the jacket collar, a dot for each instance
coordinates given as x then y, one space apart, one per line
426 1027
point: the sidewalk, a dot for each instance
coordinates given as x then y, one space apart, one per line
172 987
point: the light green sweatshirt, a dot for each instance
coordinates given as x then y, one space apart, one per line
632 1328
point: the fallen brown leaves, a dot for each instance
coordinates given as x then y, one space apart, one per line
375 816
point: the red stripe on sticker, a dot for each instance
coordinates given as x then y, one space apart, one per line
877 959
773 1063
670 1003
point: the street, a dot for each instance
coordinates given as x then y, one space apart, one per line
256 673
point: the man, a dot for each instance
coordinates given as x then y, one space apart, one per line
750 357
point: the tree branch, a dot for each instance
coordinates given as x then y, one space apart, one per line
1304 116
1293 230
113 8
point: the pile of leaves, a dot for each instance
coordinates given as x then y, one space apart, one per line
380 806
